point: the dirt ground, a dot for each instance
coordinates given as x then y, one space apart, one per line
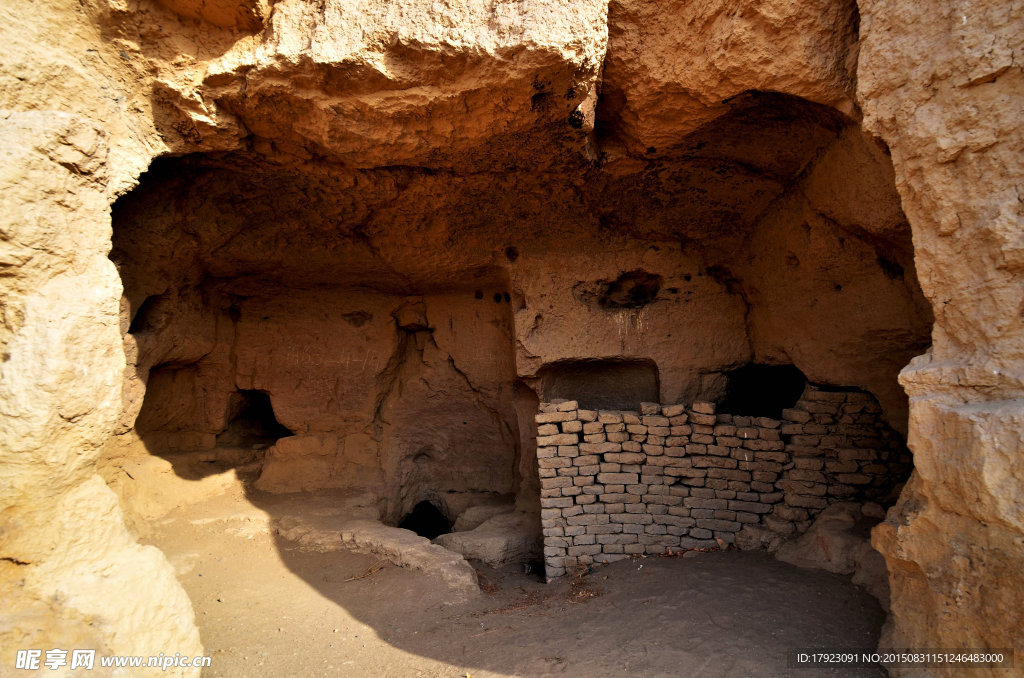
266 608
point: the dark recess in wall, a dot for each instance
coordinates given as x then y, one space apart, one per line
601 384
147 317
630 290
763 390
426 520
254 423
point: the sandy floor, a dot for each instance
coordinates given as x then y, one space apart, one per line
266 608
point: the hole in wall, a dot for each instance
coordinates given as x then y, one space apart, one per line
426 520
254 421
147 317
357 318
601 384
630 290
763 390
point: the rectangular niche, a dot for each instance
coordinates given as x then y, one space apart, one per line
601 384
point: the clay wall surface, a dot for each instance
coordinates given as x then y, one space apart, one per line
616 484
412 398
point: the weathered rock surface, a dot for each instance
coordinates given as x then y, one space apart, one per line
940 85
683 187
72 572
505 538
406 549
839 541
475 516
401 547
671 68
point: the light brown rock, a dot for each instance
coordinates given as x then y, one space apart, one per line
838 541
938 85
400 225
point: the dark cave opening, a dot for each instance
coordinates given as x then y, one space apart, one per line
146 318
601 384
763 390
254 422
426 520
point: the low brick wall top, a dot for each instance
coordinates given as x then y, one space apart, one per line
618 483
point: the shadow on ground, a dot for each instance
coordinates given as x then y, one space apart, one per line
268 607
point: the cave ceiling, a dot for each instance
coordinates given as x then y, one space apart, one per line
272 214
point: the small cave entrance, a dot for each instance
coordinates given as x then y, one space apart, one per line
601 384
756 390
426 520
148 316
251 422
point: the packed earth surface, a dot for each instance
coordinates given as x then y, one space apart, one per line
267 607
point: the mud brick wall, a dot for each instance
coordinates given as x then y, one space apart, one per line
621 483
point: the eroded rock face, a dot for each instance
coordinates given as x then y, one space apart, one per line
512 537
61 524
940 86
394 223
672 68
839 541
369 396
